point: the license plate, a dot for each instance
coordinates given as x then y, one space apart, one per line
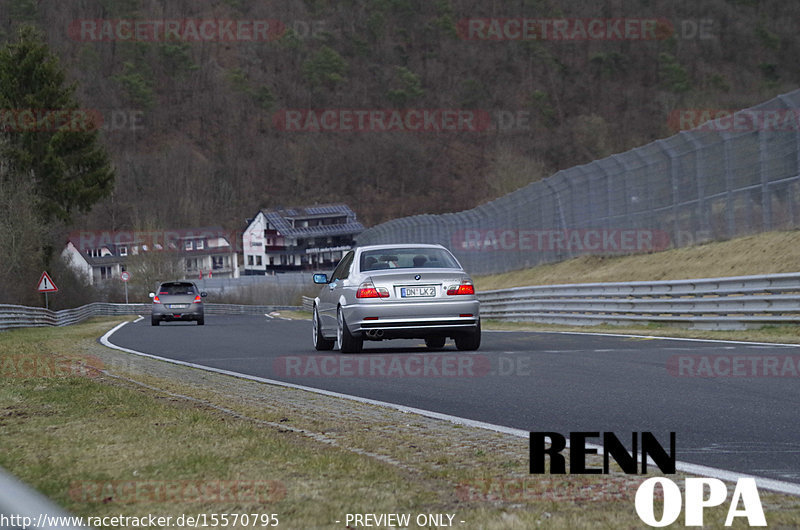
179 306
417 292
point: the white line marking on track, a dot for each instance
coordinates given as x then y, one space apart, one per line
138 319
693 469
746 343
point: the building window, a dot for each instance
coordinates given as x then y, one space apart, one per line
258 261
250 260
123 251
199 244
187 245
216 262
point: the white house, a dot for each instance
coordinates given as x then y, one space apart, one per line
300 238
103 255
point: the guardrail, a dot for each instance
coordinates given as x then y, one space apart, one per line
24 507
308 303
709 303
735 302
17 316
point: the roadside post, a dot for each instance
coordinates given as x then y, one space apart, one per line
125 276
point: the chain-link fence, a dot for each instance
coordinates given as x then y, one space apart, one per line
728 177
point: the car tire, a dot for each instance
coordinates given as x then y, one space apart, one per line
154 321
201 321
435 343
469 340
320 342
348 343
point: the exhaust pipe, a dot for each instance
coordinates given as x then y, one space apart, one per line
375 333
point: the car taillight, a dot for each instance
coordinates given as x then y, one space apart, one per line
156 300
197 299
368 290
465 287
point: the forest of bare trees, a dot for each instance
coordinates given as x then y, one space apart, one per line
191 126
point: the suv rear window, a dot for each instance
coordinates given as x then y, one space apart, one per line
176 288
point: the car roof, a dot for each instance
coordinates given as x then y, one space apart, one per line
399 245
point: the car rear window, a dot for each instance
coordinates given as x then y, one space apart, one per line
407 258
176 288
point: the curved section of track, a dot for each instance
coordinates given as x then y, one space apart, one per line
559 382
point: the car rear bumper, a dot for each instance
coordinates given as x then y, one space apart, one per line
193 312
412 320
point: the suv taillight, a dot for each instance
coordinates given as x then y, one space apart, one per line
197 299
156 300
367 289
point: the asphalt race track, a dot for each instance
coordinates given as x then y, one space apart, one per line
530 381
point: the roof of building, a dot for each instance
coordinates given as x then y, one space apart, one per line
280 218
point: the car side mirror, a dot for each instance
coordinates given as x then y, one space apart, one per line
320 278
204 294
152 295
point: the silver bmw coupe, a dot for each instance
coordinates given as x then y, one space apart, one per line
385 292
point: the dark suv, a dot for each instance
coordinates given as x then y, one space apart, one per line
179 300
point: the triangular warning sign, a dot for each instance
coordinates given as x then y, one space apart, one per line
46 285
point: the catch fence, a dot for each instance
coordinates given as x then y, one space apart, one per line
726 178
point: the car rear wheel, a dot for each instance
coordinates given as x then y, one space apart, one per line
320 342
201 321
469 340
347 342
154 321
435 343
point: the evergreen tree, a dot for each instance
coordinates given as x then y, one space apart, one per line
64 159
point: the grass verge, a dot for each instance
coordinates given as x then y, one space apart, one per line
767 253
785 334
106 433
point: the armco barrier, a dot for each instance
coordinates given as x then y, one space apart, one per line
16 316
709 303
20 505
